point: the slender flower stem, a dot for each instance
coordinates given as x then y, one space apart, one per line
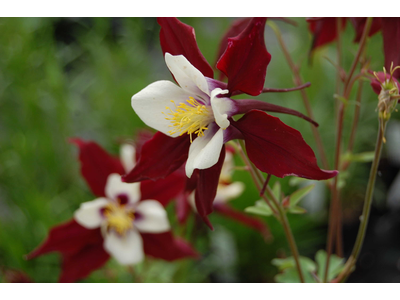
298 81
367 206
335 208
279 212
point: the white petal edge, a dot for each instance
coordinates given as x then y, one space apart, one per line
89 213
127 154
228 192
127 249
220 107
151 102
204 152
188 77
115 187
153 218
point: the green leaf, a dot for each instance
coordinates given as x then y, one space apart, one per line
291 276
297 210
261 208
289 271
300 194
306 263
336 265
276 190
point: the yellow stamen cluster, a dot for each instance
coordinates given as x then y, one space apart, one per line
119 218
190 117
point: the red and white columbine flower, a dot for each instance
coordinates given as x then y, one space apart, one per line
121 222
122 218
194 119
194 107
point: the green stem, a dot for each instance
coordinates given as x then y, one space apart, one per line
367 206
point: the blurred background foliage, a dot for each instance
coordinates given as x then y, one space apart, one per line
74 77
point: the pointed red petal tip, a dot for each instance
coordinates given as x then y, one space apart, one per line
96 165
246 59
278 149
178 38
324 30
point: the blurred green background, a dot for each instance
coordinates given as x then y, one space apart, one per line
74 77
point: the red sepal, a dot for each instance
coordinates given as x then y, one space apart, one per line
165 246
206 189
278 149
324 30
96 165
178 38
81 249
235 29
391 43
359 24
246 59
228 211
159 157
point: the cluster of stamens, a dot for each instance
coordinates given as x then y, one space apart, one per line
388 96
119 218
191 117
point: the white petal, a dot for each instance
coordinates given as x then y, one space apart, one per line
220 107
151 102
127 155
153 217
127 249
228 192
89 213
116 187
187 76
204 152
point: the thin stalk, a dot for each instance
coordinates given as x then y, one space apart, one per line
333 227
367 206
298 81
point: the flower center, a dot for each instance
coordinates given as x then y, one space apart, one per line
119 217
190 117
